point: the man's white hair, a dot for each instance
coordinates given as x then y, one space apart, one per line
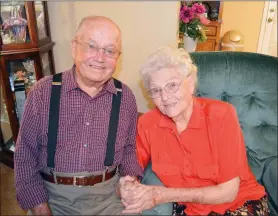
91 19
168 57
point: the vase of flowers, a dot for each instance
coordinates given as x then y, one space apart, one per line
191 26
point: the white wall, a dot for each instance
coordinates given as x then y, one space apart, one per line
144 25
245 17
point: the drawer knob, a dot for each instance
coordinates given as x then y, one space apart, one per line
269 20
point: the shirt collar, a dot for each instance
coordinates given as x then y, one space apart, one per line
70 83
110 86
194 121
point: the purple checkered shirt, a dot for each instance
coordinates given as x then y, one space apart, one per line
82 135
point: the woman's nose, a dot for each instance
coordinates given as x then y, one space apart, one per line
164 95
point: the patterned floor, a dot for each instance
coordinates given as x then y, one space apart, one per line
8 203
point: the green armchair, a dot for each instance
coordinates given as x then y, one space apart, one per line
249 82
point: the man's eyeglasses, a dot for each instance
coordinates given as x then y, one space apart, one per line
170 88
93 49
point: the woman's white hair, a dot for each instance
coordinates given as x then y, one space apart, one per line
168 57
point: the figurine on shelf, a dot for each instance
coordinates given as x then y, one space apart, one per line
6 38
213 14
15 26
4 112
20 74
29 66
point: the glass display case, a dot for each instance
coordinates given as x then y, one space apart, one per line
6 135
46 64
41 26
6 130
14 23
25 57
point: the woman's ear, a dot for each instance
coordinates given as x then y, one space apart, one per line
191 84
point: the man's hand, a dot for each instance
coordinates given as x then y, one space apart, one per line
41 209
125 184
141 198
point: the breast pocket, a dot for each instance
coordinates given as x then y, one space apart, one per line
166 169
208 172
169 174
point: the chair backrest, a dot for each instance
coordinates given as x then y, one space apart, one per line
249 82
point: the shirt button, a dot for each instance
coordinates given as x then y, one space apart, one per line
87 123
85 145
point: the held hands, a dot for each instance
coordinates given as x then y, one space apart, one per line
41 209
137 197
125 184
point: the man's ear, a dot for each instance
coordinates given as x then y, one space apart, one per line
73 49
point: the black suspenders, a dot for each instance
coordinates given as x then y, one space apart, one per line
113 124
53 121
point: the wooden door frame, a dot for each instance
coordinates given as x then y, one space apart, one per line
265 31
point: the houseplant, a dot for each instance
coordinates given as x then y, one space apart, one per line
191 24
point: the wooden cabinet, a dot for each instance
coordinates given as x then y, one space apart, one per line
211 30
25 57
210 44
215 9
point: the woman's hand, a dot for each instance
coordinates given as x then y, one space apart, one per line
141 198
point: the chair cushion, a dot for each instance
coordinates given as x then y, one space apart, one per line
249 82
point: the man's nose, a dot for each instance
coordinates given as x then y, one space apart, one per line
100 56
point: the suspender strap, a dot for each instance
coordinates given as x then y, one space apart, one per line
53 119
113 124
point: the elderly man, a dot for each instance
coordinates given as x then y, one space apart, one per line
77 135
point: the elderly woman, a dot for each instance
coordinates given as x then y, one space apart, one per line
195 144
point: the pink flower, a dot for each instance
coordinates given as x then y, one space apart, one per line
186 14
198 9
204 20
